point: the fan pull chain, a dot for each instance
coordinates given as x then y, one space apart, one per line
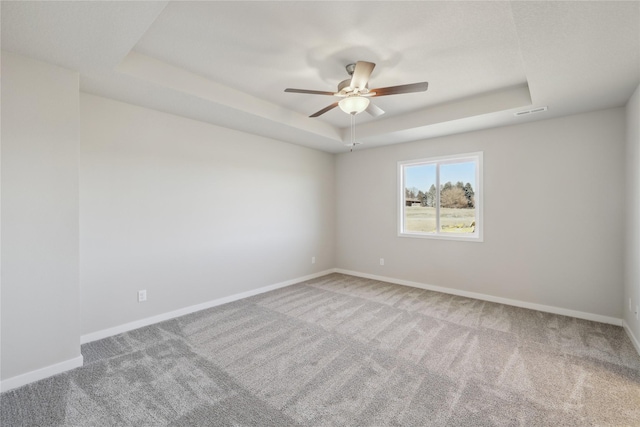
353 131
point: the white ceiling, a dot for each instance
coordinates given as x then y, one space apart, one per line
228 63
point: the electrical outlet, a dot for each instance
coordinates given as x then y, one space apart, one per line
142 296
313 260
381 261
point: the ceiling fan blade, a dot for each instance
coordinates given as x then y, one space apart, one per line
324 110
312 92
395 90
361 74
374 110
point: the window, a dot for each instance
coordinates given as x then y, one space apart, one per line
441 197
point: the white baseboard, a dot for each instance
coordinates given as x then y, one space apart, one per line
485 297
633 338
105 333
40 374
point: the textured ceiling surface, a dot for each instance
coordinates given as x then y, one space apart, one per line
228 63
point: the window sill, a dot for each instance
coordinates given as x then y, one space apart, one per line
475 237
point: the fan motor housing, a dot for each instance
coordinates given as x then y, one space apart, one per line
345 84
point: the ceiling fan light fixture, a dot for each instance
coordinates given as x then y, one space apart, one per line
354 104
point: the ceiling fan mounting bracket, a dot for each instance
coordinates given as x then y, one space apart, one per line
351 68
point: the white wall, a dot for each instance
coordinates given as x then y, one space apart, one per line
553 228
40 304
632 226
191 212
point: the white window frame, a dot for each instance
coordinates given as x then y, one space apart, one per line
477 235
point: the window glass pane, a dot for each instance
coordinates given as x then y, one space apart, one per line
440 198
420 198
457 201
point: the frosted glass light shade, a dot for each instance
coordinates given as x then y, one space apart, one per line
354 104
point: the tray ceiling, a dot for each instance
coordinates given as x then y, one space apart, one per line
228 63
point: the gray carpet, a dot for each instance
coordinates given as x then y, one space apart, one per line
346 351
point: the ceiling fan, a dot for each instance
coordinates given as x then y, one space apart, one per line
355 92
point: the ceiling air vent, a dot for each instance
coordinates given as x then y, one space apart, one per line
533 110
